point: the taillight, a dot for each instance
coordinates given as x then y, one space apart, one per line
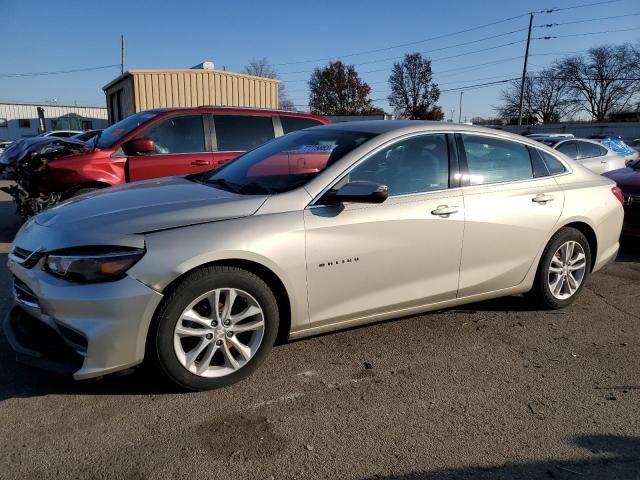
618 194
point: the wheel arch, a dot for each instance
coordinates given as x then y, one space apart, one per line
590 234
270 278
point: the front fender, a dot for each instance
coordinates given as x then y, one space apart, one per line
276 242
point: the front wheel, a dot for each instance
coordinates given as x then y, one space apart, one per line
563 270
214 329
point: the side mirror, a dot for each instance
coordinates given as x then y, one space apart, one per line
358 192
138 146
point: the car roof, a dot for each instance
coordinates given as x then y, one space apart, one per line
379 127
249 110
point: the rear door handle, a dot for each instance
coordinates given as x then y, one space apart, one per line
200 163
444 210
542 198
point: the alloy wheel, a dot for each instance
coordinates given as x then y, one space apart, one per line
219 332
567 270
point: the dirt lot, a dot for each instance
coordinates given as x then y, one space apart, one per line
493 390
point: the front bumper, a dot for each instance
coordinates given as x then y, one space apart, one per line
103 326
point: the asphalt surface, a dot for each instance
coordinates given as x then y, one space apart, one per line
495 390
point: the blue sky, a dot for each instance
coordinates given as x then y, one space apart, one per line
41 36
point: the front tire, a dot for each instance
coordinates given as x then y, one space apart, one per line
214 329
563 270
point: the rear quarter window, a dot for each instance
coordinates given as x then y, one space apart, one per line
292 124
554 165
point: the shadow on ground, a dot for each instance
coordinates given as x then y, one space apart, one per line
616 457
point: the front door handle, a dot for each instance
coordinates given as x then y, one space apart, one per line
444 211
542 198
604 161
200 163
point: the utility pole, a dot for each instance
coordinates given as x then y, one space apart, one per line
460 112
121 54
524 69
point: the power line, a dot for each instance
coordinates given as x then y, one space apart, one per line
549 25
430 39
551 37
430 51
56 72
574 7
445 35
448 57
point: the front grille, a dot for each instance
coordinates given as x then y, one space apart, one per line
632 199
23 294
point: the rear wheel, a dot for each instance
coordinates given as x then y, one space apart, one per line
215 328
564 268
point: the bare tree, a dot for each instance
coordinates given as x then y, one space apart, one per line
604 80
260 67
547 98
413 92
338 90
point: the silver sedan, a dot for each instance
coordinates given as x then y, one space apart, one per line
593 155
322 229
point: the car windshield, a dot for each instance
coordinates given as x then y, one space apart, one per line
287 162
118 130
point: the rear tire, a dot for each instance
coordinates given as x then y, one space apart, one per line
199 348
563 270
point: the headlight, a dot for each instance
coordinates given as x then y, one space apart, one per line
92 266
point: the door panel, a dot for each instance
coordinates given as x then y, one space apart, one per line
364 259
504 231
508 217
180 149
368 259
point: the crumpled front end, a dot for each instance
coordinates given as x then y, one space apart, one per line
24 161
83 330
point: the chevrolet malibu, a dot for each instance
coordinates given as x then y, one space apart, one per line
318 230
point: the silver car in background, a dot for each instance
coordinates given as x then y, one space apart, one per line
322 229
591 154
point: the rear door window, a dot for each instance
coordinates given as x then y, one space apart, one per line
291 124
494 160
179 134
589 150
239 133
570 149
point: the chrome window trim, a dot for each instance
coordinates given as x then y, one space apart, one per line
346 171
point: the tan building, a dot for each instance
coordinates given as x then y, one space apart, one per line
138 90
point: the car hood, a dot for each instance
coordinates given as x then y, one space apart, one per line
627 179
148 206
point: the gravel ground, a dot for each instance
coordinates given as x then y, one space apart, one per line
495 390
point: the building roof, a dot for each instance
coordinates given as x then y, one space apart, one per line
186 70
29 104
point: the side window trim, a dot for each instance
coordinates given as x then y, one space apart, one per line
211 141
277 126
370 154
